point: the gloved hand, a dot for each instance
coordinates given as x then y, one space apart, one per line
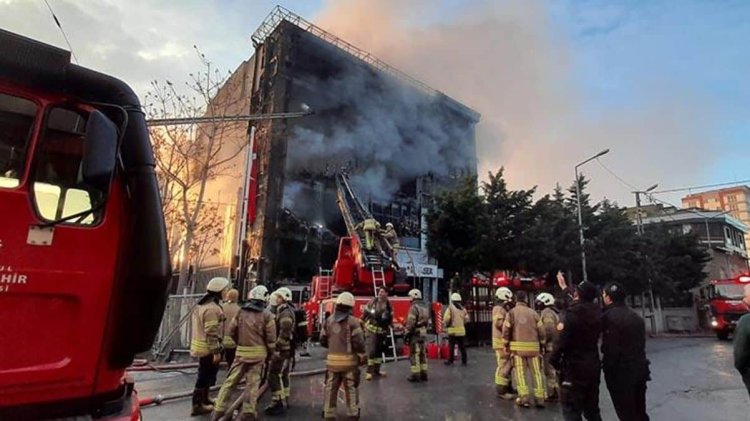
217 359
407 340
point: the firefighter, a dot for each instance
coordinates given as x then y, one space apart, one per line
504 302
273 301
416 332
371 227
624 360
342 335
281 361
231 309
576 357
254 330
206 342
454 319
524 333
550 319
377 317
390 239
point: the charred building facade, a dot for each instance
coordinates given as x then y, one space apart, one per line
400 141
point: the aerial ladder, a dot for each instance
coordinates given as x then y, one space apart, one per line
371 255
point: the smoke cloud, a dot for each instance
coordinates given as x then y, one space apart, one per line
510 62
386 132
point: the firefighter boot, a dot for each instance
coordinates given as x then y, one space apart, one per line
206 399
413 378
199 408
275 408
523 402
504 392
423 376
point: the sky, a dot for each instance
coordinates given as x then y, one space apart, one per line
663 84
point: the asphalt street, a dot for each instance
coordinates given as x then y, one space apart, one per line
693 379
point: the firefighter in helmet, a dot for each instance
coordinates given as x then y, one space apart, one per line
231 309
342 335
281 361
455 319
377 317
254 332
550 319
206 342
524 332
371 228
390 241
416 332
503 304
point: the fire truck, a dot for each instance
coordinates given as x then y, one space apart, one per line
721 304
481 299
84 266
357 269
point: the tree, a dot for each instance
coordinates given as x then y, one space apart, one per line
455 226
188 157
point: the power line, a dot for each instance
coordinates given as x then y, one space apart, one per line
59 25
706 186
616 176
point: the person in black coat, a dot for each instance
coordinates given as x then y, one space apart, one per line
576 356
624 355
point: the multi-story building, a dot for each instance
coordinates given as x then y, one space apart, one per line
733 200
722 234
400 141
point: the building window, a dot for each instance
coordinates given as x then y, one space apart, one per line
731 198
733 207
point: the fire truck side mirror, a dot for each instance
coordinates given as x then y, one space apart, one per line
99 151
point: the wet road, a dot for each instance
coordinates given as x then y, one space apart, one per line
693 379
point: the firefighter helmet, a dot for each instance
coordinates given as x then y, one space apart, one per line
389 225
546 298
258 293
456 297
415 294
284 293
504 294
232 295
345 299
217 284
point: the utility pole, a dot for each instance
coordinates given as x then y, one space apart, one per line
639 230
580 216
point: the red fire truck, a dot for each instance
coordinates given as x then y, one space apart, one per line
357 270
721 303
84 266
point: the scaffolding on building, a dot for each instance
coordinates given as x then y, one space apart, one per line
280 14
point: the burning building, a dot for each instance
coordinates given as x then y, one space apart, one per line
400 141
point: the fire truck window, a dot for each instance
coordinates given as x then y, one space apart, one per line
59 190
16 126
730 291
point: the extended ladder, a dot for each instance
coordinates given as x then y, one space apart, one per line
378 281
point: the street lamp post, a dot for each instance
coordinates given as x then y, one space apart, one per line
580 216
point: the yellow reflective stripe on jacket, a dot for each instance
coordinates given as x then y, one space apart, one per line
229 342
197 345
457 331
524 346
210 323
342 360
257 351
498 343
371 327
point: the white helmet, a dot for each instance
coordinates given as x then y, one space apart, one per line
217 284
389 225
415 294
345 299
504 294
258 293
284 293
456 297
546 298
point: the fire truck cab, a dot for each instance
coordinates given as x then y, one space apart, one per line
84 266
721 302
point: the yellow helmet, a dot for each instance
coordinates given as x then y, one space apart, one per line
456 297
504 294
345 299
258 293
217 284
